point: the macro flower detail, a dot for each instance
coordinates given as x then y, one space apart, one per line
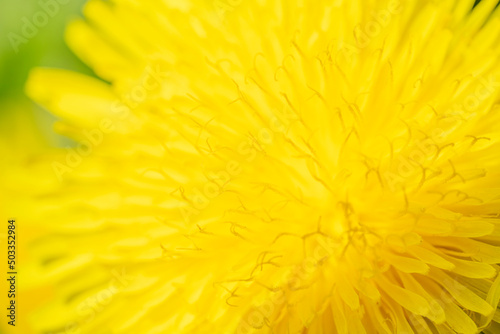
275 167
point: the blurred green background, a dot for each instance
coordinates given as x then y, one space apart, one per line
32 34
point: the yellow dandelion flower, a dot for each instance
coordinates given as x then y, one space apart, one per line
274 167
